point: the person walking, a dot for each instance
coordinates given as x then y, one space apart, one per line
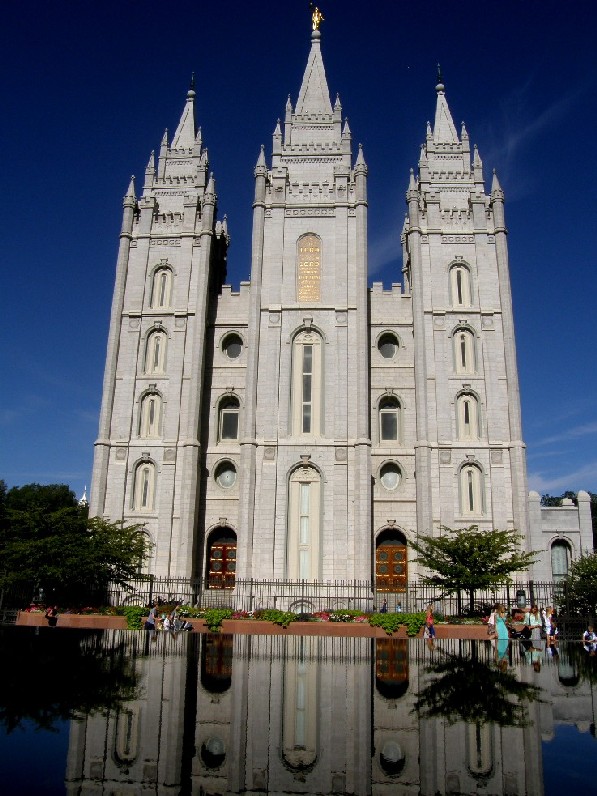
150 622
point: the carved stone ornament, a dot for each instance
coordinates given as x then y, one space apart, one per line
341 454
341 318
169 455
496 457
269 454
120 454
134 323
180 323
445 457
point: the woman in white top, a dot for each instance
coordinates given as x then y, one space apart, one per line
533 621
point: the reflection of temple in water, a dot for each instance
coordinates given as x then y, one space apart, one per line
219 714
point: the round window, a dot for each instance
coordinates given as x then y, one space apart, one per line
226 475
388 345
232 346
390 475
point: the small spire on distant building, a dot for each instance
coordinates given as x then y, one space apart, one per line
83 501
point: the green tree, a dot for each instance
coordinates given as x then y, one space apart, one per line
580 587
469 559
48 542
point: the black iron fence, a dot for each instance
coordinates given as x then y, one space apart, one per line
311 596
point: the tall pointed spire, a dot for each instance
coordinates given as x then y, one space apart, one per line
314 96
444 131
184 137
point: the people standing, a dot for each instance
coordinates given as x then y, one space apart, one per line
429 621
384 607
150 622
532 620
491 622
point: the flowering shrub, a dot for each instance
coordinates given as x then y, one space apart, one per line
321 616
242 615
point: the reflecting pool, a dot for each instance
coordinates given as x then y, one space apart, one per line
120 712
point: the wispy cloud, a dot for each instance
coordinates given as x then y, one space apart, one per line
572 433
584 477
519 129
384 250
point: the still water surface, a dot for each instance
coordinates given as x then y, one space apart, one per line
117 712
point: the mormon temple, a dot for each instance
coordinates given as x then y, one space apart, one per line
310 426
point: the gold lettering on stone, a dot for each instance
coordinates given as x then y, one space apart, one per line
309 268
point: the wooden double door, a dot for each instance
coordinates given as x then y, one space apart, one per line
222 564
391 567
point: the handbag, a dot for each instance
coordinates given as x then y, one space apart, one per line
526 632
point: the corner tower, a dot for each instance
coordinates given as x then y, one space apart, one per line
305 492
172 258
470 458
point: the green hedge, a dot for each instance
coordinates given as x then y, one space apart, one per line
391 622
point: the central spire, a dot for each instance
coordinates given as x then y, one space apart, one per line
314 96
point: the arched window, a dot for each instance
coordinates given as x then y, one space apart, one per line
471 490
155 353
306 383
464 351
150 416
228 418
467 416
144 486
161 288
304 524
389 419
460 285
560 559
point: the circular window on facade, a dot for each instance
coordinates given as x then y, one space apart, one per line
389 475
232 346
225 475
388 345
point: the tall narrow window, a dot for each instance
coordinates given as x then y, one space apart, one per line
228 425
306 384
150 415
161 288
467 417
144 487
460 285
471 490
304 524
560 560
155 353
464 351
389 419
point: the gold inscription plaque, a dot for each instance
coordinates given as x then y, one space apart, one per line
309 268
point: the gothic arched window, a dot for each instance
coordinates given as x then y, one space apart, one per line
304 524
144 486
161 288
467 416
155 353
471 490
150 415
389 419
460 285
228 418
464 351
306 383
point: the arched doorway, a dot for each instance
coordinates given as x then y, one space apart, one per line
391 565
221 559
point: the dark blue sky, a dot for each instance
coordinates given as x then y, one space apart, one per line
87 88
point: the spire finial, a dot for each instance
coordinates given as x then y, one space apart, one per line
316 16
191 91
440 79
